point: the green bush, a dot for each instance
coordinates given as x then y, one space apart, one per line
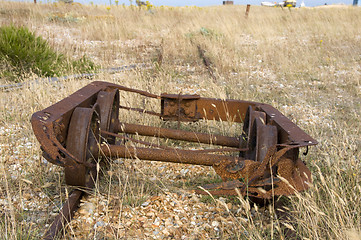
21 53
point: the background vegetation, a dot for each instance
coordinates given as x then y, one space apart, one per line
22 54
305 62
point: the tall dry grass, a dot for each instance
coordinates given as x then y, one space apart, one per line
305 62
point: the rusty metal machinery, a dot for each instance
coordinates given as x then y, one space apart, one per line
84 128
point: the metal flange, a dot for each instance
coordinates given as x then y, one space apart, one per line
108 102
82 141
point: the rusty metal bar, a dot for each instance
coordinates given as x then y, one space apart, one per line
141 92
177 134
220 150
65 215
135 140
171 148
165 155
140 110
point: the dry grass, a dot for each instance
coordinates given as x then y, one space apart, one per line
305 62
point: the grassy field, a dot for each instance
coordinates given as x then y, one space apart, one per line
305 62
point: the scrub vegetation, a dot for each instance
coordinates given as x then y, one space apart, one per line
22 54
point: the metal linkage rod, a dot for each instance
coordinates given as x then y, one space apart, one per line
177 134
165 155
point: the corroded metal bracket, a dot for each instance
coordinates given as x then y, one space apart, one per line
180 107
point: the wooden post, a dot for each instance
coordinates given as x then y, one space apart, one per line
247 10
227 2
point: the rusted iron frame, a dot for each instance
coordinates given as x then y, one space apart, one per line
50 125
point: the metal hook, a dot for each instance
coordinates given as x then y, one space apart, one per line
305 153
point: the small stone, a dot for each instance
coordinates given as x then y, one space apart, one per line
184 172
229 205
166 232
215 223
168 222
99 224
118 161
156 222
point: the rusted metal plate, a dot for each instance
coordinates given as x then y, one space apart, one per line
179 107
290 133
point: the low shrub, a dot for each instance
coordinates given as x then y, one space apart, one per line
22 53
